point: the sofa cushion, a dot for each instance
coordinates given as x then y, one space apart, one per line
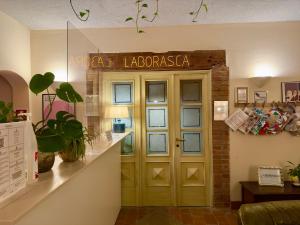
270 213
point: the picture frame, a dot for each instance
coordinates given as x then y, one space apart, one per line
260 96
270 176
290 91
58 105
242 95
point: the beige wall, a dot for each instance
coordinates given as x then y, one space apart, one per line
14 47
249 151
246 45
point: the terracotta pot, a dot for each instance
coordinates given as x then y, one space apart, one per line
45 161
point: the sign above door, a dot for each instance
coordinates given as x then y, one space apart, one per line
149 61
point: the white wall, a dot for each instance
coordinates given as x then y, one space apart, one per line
14 47
246 45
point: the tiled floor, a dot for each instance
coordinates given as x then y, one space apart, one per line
176 216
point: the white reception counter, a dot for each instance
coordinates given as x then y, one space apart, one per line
85 192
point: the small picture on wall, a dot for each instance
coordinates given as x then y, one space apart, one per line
260 96
290 91
242 95
57 105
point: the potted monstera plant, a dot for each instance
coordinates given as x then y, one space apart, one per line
63 134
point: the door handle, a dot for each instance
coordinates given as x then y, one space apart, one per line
179 139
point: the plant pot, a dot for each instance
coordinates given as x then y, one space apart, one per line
73 152
68 155
295 180
45 161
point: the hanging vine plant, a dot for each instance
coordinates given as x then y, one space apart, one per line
83 15
140 14
196 12
141 6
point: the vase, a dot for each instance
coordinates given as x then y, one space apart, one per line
73 152
45 161
68 155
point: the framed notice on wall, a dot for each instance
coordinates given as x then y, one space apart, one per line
270 176
241 95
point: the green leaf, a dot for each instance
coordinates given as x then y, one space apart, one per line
60 115
82 14
73 129
144 17
40 83
191 13
3 119
5 111
51 123
50 143
156 13
67 93
145 5
128 19
141 31
205 7
2 104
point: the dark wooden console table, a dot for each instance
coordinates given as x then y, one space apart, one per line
253 192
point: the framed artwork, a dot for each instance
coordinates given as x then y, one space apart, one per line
241 95
290 91
270 176
58 105
260 96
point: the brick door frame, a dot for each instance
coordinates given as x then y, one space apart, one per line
214 60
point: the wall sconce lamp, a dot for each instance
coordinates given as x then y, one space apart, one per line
220 110
118 113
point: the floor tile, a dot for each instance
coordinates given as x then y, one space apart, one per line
176 216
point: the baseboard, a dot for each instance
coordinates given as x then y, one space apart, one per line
235 204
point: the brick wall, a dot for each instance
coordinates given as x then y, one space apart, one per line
220 140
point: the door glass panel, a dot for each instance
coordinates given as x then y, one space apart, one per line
122 93
191 90
157 142
190 117
128 121
157 117
191 143
127 145
156 92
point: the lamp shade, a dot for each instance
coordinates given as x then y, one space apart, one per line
119 112
260 81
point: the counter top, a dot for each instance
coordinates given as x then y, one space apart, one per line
17 206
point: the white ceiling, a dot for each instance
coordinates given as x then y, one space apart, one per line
53 14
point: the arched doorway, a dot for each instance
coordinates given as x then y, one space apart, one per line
6 91
14 89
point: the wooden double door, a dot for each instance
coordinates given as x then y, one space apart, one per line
166 158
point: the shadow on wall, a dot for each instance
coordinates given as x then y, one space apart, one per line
13 88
